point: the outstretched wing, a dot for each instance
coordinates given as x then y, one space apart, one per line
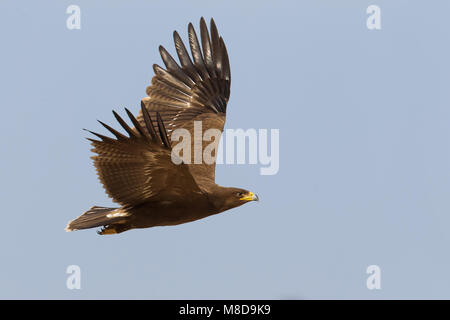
196 90
138 168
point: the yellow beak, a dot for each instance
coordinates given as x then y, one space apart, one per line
250 197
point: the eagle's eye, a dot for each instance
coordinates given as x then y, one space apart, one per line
239 194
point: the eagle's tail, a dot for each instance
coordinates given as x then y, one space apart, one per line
96 217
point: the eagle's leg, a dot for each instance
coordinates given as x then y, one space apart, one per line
114 228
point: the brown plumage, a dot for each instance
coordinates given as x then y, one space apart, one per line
139 171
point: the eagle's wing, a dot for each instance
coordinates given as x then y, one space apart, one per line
139 168
196 90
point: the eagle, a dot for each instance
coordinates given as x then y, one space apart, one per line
152 185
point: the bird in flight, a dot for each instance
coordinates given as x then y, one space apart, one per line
138 170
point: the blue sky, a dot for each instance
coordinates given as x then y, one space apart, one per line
364 173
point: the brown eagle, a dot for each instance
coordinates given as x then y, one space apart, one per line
138 170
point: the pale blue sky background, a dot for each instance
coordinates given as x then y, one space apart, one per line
364 119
